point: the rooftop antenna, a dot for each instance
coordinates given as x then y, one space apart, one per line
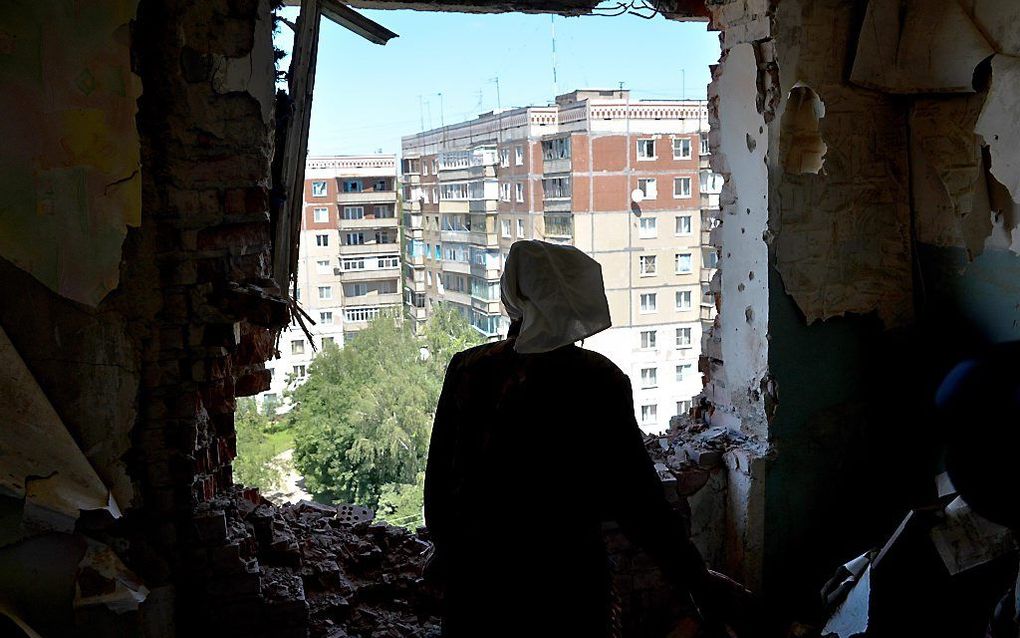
499 103
552 25
421 112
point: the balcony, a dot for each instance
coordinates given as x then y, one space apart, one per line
412 221
375 299
369 249
458 297
457 236
416 313
460 267
372 197
561 165
454 206
367 222
557 205
414 260
487 206
368 274
488 240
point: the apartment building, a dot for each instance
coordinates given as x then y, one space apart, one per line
349 264
623 180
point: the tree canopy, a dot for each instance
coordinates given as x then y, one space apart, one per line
363 418
254 465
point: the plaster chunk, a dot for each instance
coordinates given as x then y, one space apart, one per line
997 123
918 46
803 149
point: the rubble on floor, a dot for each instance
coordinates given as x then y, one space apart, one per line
309 568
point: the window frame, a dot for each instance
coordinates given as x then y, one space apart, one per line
646 308
648 265
690 188
676 263
315 214
690 148
644 141
324 190
648 228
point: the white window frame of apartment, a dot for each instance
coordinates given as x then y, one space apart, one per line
382 211
353 213
424 167
358 290
643 148
388 262
353 263
379 185
681 193
428 277
435 195
684 299
519 192
684 337
520 228
360 236
322 267
680 222
649 302
714 259
320 215
300 370
682 370
352 186
683 406
647 265
504 192
705 148
297 346
321 239
504 157
326 317
647 185
319 189
648 338
690 263
648 228
684 142
325 292
649 413
383 236
649 378
518 156
504 228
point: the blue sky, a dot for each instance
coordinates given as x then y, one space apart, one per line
367 96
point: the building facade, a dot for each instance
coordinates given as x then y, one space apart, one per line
625 181
349 261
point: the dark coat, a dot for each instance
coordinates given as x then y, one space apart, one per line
529 455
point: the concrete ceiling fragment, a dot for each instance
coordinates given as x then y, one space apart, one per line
918 46
40 461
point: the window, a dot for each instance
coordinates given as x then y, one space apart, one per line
504 157
683 225
325 292
322 267
710 259
519 156
320 215
519 192
385 237
383 211
435 195
681 187
683 372
649 377
352 185
648 302
456 191
683 299
646 264
438 252
300 371
328 340
326 318
681 148
361 314
683 337
357 290
354 264
435 165
520 228
354 239
646 149
504 228
705 150
683 407
380 185
318 189
649 413
321 239
297 346
647 187
647 228
425 167
354 212
683 263
556 188
391 261
556 149
504 192
647 339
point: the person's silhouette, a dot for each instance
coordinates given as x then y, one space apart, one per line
534 445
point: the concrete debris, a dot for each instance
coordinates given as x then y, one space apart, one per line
314 567
965 539
103 579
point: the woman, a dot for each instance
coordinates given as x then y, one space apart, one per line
534 446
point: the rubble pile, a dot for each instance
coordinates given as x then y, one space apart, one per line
338 575
689 452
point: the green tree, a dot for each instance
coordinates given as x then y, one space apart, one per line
401 503
254 465
363 418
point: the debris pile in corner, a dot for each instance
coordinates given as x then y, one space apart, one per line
338 578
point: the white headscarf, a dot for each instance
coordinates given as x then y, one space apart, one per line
557 292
